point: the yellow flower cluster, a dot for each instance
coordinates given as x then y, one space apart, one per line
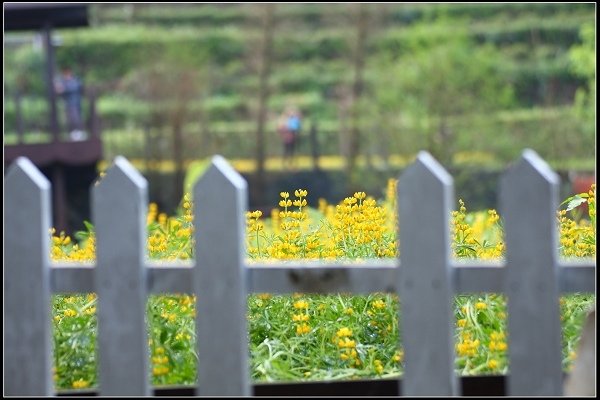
357 227
160 362
302 329
378 304
344 332
171 238
300 317
360 223
347 346
378 366
254 226
467 347
63 249
80 384
497 342
578 239
291 228
70 313
300 304
476 235
398 356
390 205
481 341
301 320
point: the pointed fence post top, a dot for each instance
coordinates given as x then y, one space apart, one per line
530 165
220 170
425 165
22 166
130 176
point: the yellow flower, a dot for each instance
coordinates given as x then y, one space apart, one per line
346 343
80 383
481 306
70 313
160 359
398 356
300 304
360 195
182 336
302 329
300 203
285 203
461 322
300 317
378 366
492 364
379 304
344 332
160 370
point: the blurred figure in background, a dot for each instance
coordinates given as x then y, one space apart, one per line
71 89
288 127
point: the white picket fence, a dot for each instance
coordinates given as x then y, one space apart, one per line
426 278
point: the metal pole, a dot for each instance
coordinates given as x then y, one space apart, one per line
54 128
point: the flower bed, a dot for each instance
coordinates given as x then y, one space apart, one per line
313 337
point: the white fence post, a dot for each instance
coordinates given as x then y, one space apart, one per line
27 311
220 203
425 193
528 204
119 205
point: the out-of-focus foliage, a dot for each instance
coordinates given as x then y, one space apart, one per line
583 63
455 54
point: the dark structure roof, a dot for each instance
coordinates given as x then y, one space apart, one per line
35 16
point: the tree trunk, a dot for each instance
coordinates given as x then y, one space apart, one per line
178 159
444 145
314 145
263 97
357 86
19 116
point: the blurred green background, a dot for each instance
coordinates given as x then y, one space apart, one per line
473 84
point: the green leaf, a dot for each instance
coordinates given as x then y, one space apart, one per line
88 226
81 235
163 336
178 346
576 201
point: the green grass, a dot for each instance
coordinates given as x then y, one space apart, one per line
278 353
